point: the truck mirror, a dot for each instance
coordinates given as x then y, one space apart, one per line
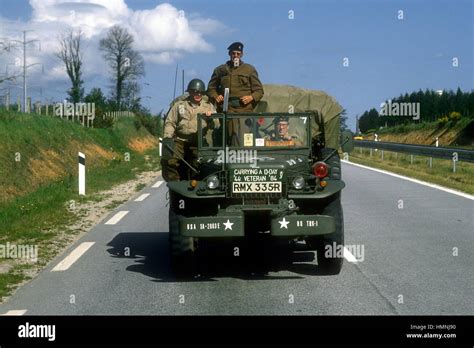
347 141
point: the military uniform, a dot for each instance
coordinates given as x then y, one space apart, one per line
181 125
242 80
288 140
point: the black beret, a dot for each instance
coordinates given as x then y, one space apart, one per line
236 46
281 119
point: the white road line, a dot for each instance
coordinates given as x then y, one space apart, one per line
348 256
142 197
158 184
73 257
438 187
117 217
16 312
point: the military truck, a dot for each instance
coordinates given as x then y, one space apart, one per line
288 188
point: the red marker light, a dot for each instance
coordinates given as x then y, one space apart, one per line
321 170
261 121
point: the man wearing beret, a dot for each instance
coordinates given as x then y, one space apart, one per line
281 133
245 88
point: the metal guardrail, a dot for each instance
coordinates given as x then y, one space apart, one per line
422 150
117 114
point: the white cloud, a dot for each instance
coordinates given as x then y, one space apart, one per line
166 29
162 34
207 26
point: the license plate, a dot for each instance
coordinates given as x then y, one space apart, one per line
256 187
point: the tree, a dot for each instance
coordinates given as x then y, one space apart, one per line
126 64
131 100
471 104
97 97
364 122
374 119
102 105
70 54
343 117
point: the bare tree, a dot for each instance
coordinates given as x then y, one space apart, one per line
131 100
70 54
126 64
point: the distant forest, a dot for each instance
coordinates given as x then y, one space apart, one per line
448 106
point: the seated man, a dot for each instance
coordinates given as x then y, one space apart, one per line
281 129
280 136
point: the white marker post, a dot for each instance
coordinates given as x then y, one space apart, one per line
160 147
82 174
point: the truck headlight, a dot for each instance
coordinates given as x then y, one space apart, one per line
298 182
212 182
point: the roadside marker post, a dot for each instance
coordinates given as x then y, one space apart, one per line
82 174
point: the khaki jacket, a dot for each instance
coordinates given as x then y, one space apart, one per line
181 120
241 81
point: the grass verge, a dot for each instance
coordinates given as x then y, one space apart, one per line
441 172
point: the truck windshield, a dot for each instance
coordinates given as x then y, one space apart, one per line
261 131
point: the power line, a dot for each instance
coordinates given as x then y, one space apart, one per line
24 42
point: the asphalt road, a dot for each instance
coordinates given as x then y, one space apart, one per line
410 265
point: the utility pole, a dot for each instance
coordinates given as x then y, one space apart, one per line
183 80
24 72
25 66
175 79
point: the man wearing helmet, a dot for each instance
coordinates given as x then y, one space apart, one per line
245 88
180 131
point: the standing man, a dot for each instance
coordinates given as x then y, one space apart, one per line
180 131
245 88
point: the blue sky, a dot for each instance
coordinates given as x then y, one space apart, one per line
387 56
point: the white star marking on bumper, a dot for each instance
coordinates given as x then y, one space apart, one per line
283 223
228 225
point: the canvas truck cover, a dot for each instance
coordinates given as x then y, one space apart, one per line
279 98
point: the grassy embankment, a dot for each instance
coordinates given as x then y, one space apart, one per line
458 135
38 178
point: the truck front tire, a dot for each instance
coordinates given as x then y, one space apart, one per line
182 248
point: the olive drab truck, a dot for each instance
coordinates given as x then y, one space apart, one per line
288 187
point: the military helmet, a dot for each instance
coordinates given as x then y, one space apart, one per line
279 119
196 85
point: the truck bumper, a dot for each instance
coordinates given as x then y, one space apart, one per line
212 226
233 226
